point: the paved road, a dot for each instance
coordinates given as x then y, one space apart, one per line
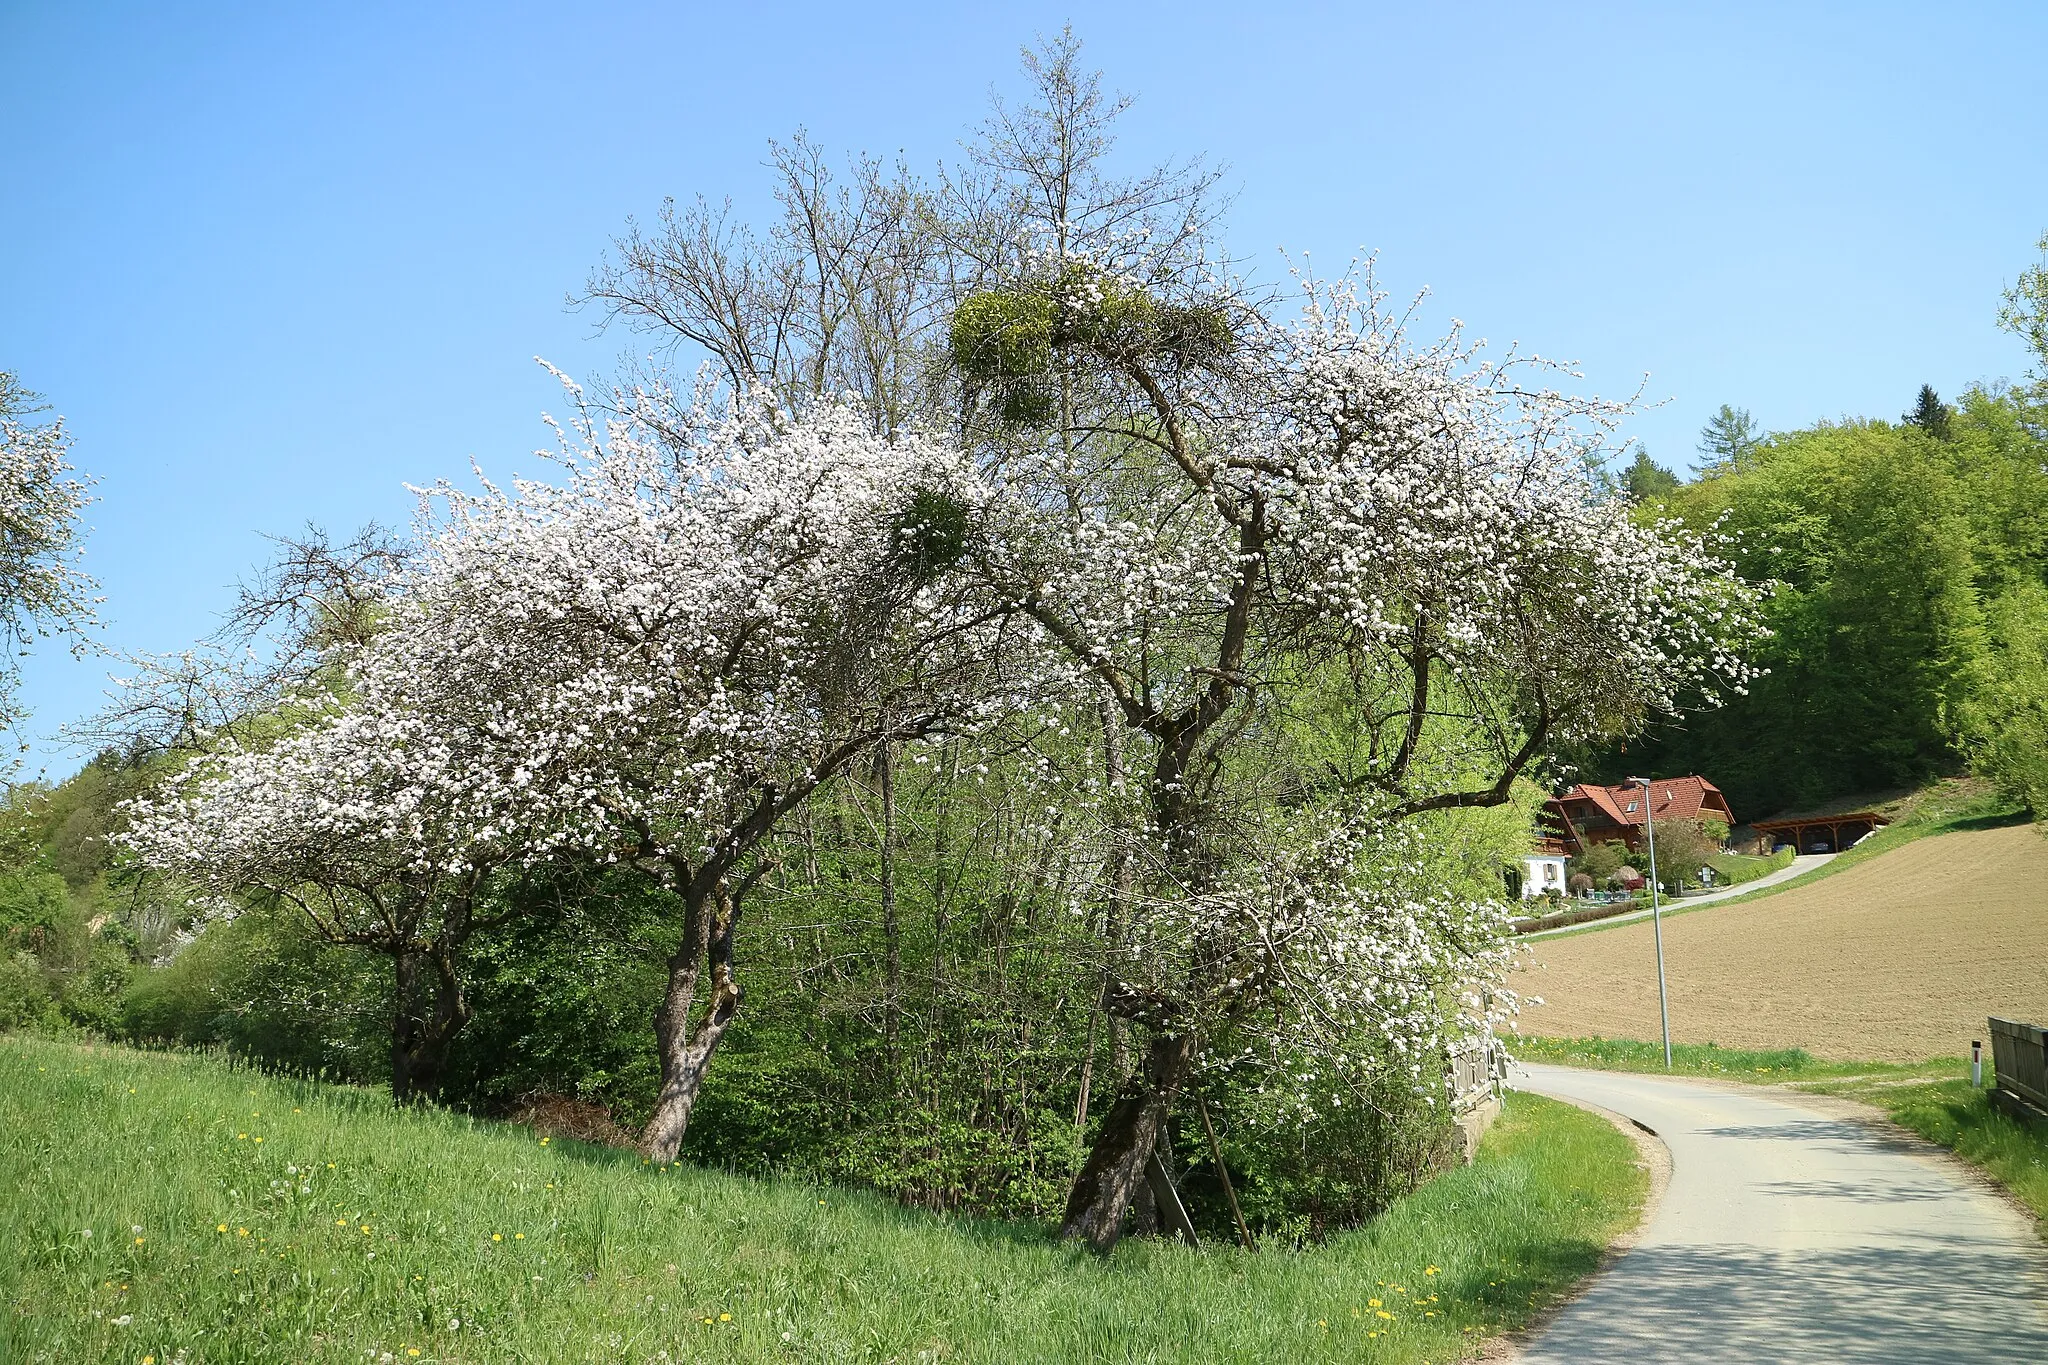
1792 1234
1798 867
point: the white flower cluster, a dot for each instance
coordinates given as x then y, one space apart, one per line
683 634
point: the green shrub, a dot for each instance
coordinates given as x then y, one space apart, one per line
25 999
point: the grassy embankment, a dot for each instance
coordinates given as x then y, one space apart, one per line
1933 1098
235 1217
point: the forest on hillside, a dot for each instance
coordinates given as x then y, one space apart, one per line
1907 562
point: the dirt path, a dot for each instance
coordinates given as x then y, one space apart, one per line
1895 959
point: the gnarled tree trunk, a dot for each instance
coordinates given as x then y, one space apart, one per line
1114 1173
686 1049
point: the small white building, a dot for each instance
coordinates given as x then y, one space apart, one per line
1542 872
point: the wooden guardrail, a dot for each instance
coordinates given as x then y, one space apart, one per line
1476 1068
1473 1072
2019 1056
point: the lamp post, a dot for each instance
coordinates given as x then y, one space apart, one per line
1656 916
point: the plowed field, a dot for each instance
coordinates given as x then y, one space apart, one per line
1897 959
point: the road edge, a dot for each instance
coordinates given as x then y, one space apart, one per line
1510 1346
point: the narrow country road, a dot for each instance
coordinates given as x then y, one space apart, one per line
1792 1234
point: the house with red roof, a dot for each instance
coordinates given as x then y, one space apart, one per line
1588 815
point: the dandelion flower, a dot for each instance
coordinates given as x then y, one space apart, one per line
725 1317
497 1237
220 1227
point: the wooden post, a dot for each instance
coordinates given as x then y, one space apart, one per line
1171 1211
1244 1234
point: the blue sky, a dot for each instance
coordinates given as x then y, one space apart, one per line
274 263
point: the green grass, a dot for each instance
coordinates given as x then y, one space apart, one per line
1736 868
1710 1059
1931 1098
370 1231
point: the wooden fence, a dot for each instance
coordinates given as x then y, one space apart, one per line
2019 1056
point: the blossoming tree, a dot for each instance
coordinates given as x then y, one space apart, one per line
43 591
1329 579
686 638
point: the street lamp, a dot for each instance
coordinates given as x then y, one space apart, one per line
1656 916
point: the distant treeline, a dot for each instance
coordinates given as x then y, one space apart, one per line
1910 615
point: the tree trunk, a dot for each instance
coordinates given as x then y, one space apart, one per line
892 938
1115 1169
686 1050
423 1031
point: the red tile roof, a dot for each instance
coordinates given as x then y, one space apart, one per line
1671 798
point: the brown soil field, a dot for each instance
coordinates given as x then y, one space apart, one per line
1897 959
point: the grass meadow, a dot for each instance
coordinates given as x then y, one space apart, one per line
170 1208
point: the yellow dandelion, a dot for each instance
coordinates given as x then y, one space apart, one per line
341 1222
259 1139
1372 1303
220 1227
544 1141
725 1317
412 1350
241 1232
518 1236
1383 1313
1431 1270
497 1237
138 1241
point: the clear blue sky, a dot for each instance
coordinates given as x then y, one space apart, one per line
273 264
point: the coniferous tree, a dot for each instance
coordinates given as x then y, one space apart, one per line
1929 414
1728 439
1645 479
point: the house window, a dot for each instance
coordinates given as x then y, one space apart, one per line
1632 807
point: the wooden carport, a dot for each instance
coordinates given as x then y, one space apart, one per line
1807 833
